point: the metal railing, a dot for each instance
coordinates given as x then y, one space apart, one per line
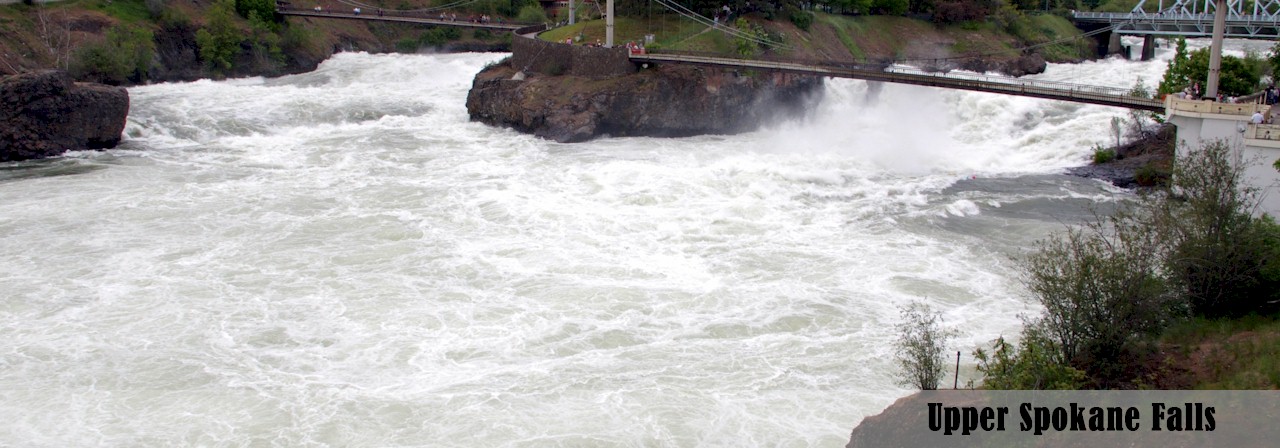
1175 104
1262 132
1110 96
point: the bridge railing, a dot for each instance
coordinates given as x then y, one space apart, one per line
436 16
1176 104
888 66
858 64
1263 132
1170 16
1045 84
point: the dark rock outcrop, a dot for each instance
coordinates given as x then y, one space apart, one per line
1153 151
43 114
1029 64
666 101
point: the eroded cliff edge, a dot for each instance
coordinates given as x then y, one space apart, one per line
43 114
661 101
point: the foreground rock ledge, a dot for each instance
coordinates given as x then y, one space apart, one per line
665 101
43 114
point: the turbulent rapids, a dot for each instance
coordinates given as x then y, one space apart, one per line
341 258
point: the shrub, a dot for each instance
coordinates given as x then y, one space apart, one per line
264 44
264 9
126 55
1103 155
1102 291
1027 366
919 350
890 7
532 14
1219 251
802 19
407 45
1151 175
219 40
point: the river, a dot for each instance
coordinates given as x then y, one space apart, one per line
342 258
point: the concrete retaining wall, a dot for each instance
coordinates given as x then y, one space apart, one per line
552 58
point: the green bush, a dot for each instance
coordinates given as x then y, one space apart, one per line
920 348
802 19
219 40
265 10
1103 155
1102 290
264 45
126 55
532 14
1219 251
407 45
1150 175
1027 366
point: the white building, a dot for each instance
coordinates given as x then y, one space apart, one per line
1255 145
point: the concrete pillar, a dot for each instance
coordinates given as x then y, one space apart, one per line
1148 47
572 13
1109 44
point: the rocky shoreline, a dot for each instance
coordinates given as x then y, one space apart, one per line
1142 163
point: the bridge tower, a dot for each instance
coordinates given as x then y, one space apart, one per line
608 24
1215 48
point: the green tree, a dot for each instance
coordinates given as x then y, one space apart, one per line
219 40
264 44
1237 76
265 10
920 349
890 7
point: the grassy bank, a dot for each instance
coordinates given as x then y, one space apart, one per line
850 38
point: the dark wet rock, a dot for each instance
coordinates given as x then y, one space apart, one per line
667 101
43 114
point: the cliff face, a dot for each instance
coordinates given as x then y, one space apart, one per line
666 101
43 114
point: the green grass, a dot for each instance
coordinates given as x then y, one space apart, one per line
129 11
1239 353
844 27
669 32
1124 6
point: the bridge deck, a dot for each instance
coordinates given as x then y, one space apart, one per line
1106 96
396 16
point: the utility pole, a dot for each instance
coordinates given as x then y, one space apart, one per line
1215 49
571 12
608 24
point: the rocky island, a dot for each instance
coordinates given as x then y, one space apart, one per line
590 101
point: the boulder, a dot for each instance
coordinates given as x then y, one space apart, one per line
45 113
666 101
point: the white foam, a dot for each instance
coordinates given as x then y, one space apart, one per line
342 258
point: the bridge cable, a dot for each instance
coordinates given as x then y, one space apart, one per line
723 28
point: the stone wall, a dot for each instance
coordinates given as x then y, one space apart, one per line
531 54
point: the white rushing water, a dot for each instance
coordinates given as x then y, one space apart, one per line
341 258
